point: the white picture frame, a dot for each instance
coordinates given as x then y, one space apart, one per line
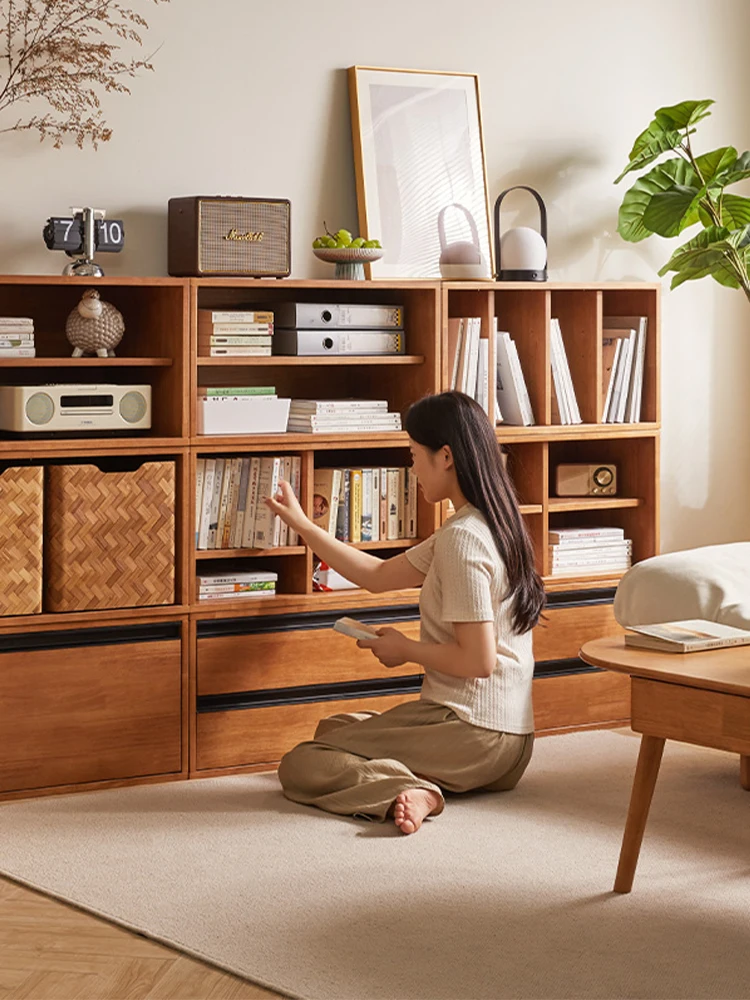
420 172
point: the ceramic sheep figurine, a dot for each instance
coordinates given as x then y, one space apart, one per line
94 327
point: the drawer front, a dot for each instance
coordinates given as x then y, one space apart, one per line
76 714
588 699
687 714
264 735
565 629
289 658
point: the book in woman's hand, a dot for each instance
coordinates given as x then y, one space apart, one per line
686 636
355 629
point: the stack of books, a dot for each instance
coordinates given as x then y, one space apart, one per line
234 333
623 363
512 392
564 403
17 337
341 416
230 512
366 505
230 584
589 551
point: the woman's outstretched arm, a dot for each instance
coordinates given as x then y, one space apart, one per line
374 574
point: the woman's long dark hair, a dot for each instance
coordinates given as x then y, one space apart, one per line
456 420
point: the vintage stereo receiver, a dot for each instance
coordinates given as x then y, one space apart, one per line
229 236
582 480
55 408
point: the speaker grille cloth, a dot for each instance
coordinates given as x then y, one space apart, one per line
216 253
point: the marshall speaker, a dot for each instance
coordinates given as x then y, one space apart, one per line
228 236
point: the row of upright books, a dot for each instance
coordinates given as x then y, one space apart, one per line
229 583
230 512
17 337
591 550
623 364
366 505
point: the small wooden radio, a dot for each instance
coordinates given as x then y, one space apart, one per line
229 236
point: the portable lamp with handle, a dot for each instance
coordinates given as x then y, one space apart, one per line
521 253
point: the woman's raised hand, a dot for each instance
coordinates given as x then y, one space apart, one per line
287 506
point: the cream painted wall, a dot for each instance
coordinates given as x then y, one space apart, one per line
250 98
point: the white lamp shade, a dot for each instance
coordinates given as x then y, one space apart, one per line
523 249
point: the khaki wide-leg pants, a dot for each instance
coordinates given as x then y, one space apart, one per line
359 762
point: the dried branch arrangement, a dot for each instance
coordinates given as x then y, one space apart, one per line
65 53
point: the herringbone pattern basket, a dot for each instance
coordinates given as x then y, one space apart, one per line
110 537
21 540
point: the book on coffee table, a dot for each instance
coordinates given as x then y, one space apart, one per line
686 636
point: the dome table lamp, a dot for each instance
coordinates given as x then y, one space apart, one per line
521 253
462 260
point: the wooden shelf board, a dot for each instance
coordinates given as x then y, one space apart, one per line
300 442
48 448
283 360
131 281
105 616
581 581
507 433
558 504
295 603
281 550
531 508
324 284
553 286
42 362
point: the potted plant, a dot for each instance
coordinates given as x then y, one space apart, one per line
685 190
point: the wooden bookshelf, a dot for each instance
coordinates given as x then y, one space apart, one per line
238 681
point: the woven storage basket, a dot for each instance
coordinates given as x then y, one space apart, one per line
110 537
21 540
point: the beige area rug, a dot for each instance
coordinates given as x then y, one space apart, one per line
505 895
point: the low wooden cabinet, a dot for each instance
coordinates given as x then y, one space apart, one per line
90 705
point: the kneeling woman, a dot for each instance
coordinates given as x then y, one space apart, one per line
473 725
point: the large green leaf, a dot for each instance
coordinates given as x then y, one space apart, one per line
739 171
669 212
631 224
735 211
706 254
709 240
712 166
683 115
651 143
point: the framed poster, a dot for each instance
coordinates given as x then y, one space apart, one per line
420 171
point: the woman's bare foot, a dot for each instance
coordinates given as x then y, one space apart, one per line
412 806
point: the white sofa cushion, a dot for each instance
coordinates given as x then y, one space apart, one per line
712 583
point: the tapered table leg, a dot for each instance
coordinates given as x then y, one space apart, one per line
745 771
646 773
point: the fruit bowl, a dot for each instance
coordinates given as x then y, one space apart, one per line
349 260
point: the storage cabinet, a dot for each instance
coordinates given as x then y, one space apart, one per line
261 673
90 705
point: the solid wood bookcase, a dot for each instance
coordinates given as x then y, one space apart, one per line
199 688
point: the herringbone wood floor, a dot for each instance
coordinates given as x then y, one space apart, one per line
52 951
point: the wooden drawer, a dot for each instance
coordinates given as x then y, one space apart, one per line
263 735
585 700
89 705
566 629
678 712
260 660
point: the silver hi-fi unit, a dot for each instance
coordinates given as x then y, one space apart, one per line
64 408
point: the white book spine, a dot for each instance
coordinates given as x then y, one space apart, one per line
375 502
208 492
411 521
392 500
508 397
239 521
296 484
517 373
224 503
286 473
268 483
607 410
367 513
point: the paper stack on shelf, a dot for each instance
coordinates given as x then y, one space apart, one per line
229 584
512 393
566 409
17 337
241 410
589 551
341 416
234 333
623 362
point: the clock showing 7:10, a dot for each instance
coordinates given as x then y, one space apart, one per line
68 234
